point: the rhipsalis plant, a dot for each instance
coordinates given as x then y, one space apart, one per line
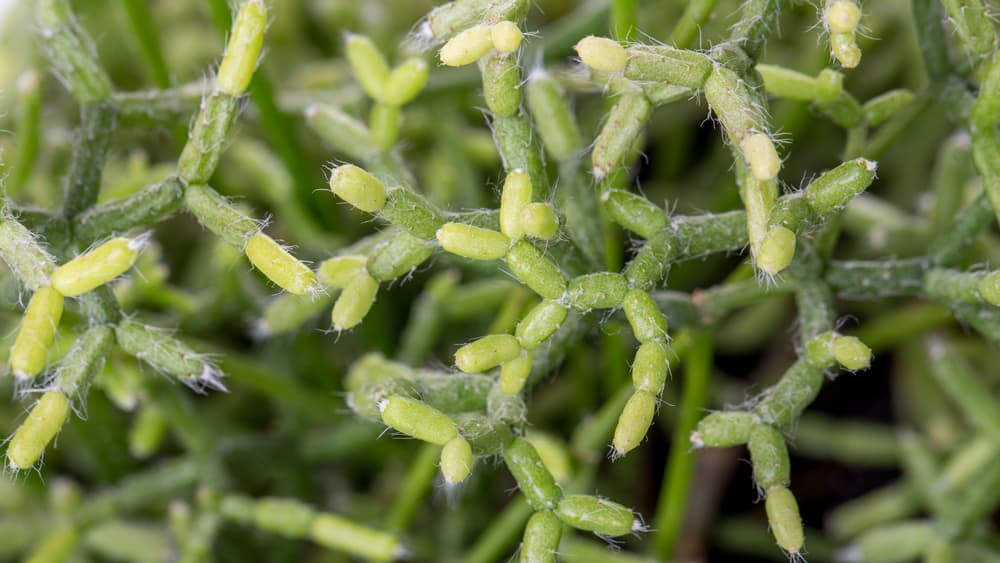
587 256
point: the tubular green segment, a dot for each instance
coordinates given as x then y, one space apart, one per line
23 254
540 323
601 53
384 124
405 82
553 119
624 124
902 541
536 483
769 456
776 250
97 267
505 408
38 328
341 270
648 323
84 360
593 514
535 270
452 17
487 353
398 256
334 532
412 213
835 188
514 373
731 100
597 291
501 83
414 418
506 36
651 264
354 302
284 517
286 271
783 402
881 108
519 150
539 220
369 66
723 430
486 434
845 49
142 208
786 83
357 187
456 460
345 133
541 538
986 110
973 25
635 213
216 214
467 47
44 421
203 149
516 194
650 368
634 422
472 242
554 453
366 399
167 354
784 520
71 52
667 64
243 48
852 353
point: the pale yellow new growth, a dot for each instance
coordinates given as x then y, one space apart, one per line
43 423
634 422
783 517
279 266
96 268
38 327
341 270
601 53
472 242
539 220
842 16
776 250
761 155
467 47
515 195
506 36
456 460
244 46
354 302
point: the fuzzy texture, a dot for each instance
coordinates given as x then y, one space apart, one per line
570 209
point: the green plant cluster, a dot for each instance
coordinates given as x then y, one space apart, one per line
554 245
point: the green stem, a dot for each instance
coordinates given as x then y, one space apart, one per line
276 125
418 481
688 27
624 24
149 43
83 180
677 478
